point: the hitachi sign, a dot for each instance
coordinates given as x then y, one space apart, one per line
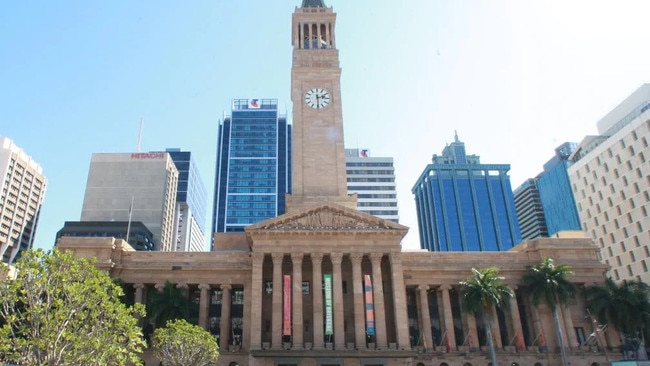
148 155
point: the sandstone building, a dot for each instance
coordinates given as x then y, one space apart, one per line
326 284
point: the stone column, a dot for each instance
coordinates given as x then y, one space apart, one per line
472 331
570 332
357 291
496 330
426 317
276 319
317 297
450 334
296 261
337 299
224 325
399 299
378 297
203 305
138 292
516 321
256 298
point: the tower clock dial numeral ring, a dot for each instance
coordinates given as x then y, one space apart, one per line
317 98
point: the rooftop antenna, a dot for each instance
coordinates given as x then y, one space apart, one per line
140 134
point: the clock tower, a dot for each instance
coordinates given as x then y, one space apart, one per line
318 150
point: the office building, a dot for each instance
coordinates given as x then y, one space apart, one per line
133 187
555 193
23 190
328 285
372 179
191 201
253 165
463 205
139 236
545 204
530 213
610 176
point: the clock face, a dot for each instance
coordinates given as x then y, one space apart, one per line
317 98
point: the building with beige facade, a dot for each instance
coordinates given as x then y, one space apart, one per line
23 191
610 176
134 187
326 284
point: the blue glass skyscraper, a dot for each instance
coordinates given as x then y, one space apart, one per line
253 171
463 205
555 192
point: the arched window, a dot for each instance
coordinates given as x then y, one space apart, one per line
538 364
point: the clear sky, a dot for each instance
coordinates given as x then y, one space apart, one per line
515 78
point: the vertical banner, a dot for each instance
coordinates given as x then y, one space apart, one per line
327 279
370 312
286 326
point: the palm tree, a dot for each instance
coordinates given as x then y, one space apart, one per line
483 291
548 282
625 306
169 304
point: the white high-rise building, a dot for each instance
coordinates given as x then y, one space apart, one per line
23 191
137 187
373 180
610 178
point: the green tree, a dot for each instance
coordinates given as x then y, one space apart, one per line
169 304
482 292
549 283
180 343
625 306
62 310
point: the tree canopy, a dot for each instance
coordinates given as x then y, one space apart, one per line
549 283
169 304
625 306
180 343
62 310
483 291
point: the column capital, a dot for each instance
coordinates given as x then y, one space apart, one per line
356 257
182 285
257 256
423 288
159 286
139 286
316 256
445 287
297 257
395 258
376 257
336 258
226 286
277 257
204 286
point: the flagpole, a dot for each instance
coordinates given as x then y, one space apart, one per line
128 225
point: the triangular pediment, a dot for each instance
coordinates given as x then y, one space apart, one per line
326 217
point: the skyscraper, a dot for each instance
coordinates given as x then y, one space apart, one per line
23 191
555 192
372 179
463 205
133 187
252 166
326 284
530 213
191 201
610 176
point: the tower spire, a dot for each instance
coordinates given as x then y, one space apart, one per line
313 4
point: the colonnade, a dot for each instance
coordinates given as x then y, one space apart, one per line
349 327
315 36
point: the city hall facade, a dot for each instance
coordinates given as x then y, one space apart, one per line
326 284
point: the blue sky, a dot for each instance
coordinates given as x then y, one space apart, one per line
515 78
